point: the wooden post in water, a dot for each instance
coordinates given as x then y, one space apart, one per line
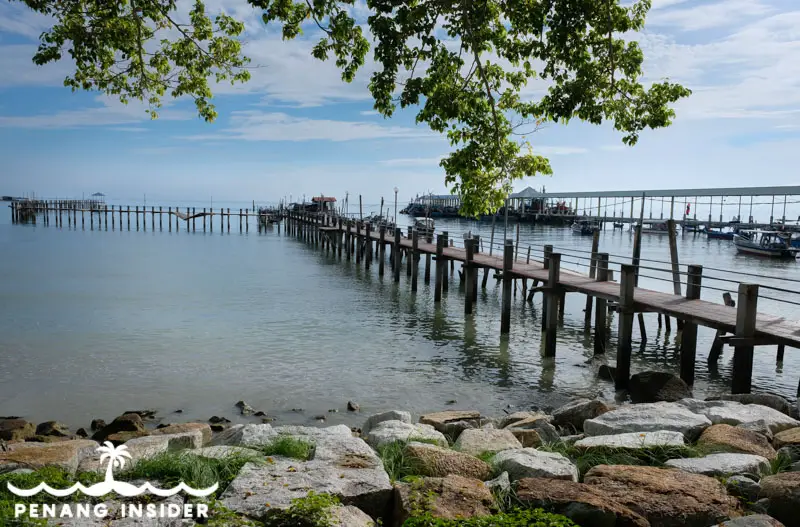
676 272
229 219
437 288
508 265
396 251
600 337
625 329
129 218
469 249
240 220
689 334
476 245
381 248
716 346
408 256
548 250
348 234
169 219
113 219
446 278
428 239
359 244
746 311
137 218
105 216
153 218
587 315
781 351
551 314
414 257
367 245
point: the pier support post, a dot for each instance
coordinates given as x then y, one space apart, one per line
414 260
548 250
469 249
689 335
396 252
476 246
587 316
381 249
409 257
781 351
600 337
428 239
437 288
153 218
367 244
745 328
508 265
551 315
359 244
348 234
625 330
446 279
229 220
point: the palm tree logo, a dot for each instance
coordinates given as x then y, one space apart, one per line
116 458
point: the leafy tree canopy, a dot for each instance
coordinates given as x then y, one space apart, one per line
463 63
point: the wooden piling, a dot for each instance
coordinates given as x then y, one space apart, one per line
381 249
153 218
781 351
600 336
625 329
396 252
348 242
746 311
415 259
508 265
437 288
689 334
368 243
428 239
408 256
229 219
469 248
446 279
83 220
551 315
587 314
716 346
137 218
548 250
476 244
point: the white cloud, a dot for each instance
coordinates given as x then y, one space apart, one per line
720 14
413 161
133 129
369 112
255 125
18 19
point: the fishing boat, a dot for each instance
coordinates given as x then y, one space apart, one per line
772 244
268 216
424 226
585 227
618 225
719 234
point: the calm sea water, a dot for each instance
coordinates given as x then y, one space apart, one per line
95 322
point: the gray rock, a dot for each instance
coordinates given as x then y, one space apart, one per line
500 484
722 464
452 422
349 516
776 402
546 431
145 447
390 431
743 487
790 452
648 417
245 408
573 414
733 413
220 451
532 463
475 442
245 435
656 386
760 427
391 415
571 440
633 440
753 520
516 417
312 432
794 467
64 454
52 428
114 517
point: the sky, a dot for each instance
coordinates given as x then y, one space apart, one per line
295 128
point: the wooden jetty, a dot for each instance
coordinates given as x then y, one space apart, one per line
748 327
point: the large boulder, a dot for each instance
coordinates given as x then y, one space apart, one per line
390 431
52 428
435 461
131 422
245 435
546 432
648 417
220 452
666 498
743 487
657 386
583 504
528 438
145 447
776 402
203 428
790 437
759 427
478 441
737 439
516 417
450 498
753 520
734 413
16 429
531 463
451 423
573 414
349 516
721 464
391 415
65 454
783 492
633 440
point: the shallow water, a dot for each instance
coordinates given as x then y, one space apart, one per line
95 322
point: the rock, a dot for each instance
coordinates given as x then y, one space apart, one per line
633 440
120 438
760 427
783 492
320 417
81 432
131 422
116 518
478 441
349 516
583 504
97 424
452 422
52 428
65 454
547 432
753 520
776 402
606 372
571 440
434 461
260 414
721 464
353 407
733 413
343 466
790 437
743 487
215 419
665 498
737 440
657 386
218 427
144 414
790 452
218 452
245 435
313 433
527 438
573 414
16 429
146 447
760 507
500 484
451 498
203 428
516 417
648 417
532 463
391 415
245 408
162 425
390 431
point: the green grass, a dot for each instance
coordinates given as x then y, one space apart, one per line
396 461
514 518
488 457
288 446
779 464
310 511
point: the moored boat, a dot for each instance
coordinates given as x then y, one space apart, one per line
771 244
719 234
585 227
424 226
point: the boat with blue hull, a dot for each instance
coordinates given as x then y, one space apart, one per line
771 244
713 234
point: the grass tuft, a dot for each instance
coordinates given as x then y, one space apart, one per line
396 462
314 510
288 446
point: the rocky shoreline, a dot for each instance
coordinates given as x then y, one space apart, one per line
733 461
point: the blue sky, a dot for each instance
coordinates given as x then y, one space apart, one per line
295 128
